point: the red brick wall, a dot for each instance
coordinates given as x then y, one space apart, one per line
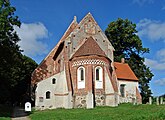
89 74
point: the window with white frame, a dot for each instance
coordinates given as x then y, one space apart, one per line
98 77
53 81
48 95
81 77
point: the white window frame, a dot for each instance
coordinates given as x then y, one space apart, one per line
99 83
53 80
80 83
48 95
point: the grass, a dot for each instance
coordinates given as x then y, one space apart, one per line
5 112
122 112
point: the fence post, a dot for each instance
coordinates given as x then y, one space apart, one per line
161 100
157 101
150 100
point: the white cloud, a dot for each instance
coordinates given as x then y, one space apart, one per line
160 82
161 55
32 38
155 65
142 2
154 30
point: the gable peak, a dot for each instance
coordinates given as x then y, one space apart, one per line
88 17
75 19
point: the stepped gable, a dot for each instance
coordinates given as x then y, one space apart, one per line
90 47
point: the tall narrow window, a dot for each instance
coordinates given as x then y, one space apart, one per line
97 74
53 81
81 74
81 77
122 90
47 95
98 77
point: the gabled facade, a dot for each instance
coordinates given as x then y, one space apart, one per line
128 83
79 71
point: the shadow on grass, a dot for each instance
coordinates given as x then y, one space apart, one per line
19 112
5 111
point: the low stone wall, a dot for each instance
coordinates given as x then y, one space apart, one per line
127 100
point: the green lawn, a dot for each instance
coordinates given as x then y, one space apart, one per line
5 112
122 112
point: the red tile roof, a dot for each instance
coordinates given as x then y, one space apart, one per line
124 72
90 47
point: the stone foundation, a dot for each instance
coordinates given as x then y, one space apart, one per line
80 101
100 100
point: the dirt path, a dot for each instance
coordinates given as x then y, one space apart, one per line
19 114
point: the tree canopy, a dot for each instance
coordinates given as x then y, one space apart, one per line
14 67
123 36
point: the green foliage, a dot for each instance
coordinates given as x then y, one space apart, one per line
21 91
5 112
122 112
9 50
123 36
15 68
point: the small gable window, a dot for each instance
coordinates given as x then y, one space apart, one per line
53 81
48 95
81 77
122 90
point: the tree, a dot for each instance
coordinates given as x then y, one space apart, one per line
22 89
15 68
123 36
9 50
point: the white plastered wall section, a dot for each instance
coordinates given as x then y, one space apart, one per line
129 91
111 97
59 95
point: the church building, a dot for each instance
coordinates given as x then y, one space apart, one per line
80 71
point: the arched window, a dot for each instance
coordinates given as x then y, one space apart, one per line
81 77
47 95
98 77
53 81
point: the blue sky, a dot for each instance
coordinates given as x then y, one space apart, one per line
45 21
